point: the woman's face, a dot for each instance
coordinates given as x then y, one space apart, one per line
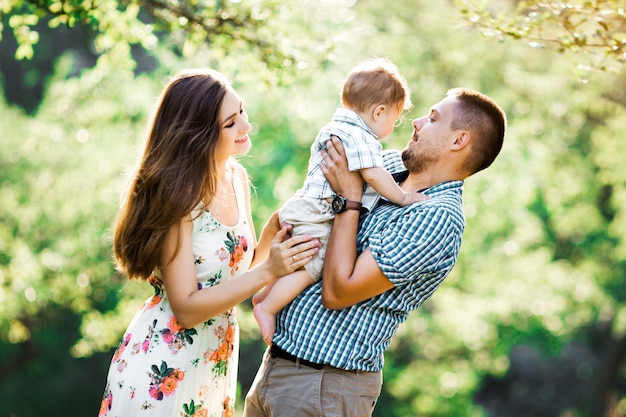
234 127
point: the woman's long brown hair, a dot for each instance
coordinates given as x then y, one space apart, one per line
176 172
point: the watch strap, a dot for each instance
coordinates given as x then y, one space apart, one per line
353 205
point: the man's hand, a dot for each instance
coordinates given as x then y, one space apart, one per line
335 169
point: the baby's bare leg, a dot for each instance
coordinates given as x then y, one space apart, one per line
273 299
260 296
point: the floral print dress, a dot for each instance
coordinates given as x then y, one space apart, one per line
162 369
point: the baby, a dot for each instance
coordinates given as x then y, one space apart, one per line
374 96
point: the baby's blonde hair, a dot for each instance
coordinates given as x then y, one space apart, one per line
373 82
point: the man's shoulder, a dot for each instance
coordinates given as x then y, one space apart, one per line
447 190
392 161
446 202
444 207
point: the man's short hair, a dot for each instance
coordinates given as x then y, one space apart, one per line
485 120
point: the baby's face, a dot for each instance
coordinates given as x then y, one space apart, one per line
385 120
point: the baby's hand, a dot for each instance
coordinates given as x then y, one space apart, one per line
410 198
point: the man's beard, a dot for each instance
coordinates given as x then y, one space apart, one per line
416 163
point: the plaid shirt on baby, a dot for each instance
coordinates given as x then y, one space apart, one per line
415 247
363 150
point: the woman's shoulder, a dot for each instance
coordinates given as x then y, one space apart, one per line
239 171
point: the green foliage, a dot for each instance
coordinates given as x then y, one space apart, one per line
582 27
259 29
60 188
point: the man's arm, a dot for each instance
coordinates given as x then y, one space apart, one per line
347 279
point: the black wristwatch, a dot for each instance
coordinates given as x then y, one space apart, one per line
340 203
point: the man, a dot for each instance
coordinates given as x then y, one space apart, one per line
326 358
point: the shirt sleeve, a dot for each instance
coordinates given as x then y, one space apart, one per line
392 161
426 241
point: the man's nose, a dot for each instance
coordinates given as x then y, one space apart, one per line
418 123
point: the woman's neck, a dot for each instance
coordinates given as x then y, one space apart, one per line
223 172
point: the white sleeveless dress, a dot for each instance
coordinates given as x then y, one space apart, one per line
161 369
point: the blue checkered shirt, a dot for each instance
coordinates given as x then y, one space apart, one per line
415 247
362 148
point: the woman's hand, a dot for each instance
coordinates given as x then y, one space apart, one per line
335 168
273 226
268 234
288 254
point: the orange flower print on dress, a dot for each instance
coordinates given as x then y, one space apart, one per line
107 400
157 284
174 326
202 412
224 351
176 336
237 246
222 254
121 347
135 349
203 391
230 335
164 380
121 365
173 371
168 385
153 301
229 410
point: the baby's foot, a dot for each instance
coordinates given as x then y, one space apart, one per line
266 321
257 298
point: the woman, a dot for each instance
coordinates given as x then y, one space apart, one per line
186 228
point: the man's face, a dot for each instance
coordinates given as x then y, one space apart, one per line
431 136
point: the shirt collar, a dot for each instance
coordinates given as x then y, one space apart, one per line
435 189
348 116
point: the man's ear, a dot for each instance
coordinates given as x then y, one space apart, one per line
463 138
377 111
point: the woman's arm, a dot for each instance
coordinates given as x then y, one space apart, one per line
192 306
262 249
346 278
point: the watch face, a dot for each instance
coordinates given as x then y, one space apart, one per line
338 204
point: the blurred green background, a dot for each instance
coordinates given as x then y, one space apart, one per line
532 321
